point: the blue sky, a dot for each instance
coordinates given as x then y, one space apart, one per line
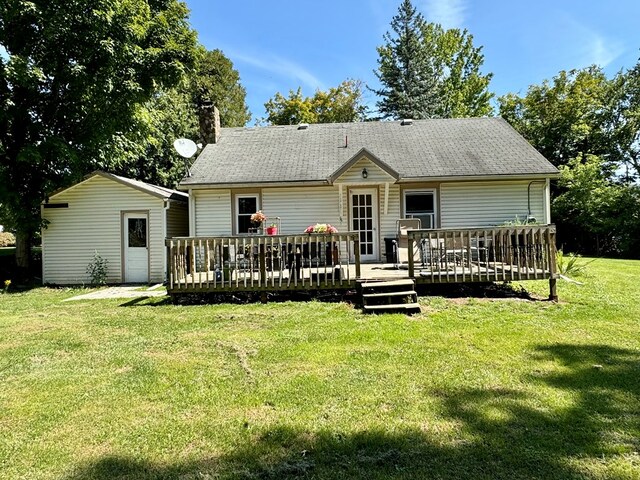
282 44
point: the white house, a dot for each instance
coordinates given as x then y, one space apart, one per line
126 221
363 177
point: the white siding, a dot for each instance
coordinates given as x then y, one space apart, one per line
299 207
374 173
479 204
93 222
212 212
177 220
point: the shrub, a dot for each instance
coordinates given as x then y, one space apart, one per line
570 265
7 239
97 269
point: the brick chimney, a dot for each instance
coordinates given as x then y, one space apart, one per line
209 118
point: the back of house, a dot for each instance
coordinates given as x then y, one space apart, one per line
364 177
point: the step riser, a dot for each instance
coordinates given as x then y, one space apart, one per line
389 296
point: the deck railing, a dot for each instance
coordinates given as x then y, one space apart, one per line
261 262
525 252
332 261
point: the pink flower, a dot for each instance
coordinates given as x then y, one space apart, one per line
258 217
321 228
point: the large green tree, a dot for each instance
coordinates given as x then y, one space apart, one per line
463 89
146 151
341 104
75 75
408 76
217 81
429 72
587 125
597 215
623 121
567 116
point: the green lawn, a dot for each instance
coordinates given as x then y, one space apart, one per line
469 389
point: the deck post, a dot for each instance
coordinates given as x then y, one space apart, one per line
553 293
170 263
263 268
356 248
410 241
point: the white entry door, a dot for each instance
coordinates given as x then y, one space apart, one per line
136 247
363 208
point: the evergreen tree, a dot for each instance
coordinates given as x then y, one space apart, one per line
409 77
429 72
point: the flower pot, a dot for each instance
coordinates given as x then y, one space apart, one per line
271 230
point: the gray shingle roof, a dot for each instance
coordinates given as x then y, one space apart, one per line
155 190
470 147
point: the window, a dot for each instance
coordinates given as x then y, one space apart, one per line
137 231
246 205
421 204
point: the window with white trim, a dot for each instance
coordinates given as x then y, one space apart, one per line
246 205
421 204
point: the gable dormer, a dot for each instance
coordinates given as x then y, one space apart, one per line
364 168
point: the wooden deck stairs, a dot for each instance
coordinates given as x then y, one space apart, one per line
380 296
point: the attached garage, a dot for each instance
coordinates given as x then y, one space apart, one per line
126 221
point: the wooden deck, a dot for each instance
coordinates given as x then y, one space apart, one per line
332 261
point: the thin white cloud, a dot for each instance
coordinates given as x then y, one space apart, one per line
281 67
448 13
602 52
591 46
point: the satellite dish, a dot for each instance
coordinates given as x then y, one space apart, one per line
185 147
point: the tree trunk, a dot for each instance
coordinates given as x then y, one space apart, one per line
23 253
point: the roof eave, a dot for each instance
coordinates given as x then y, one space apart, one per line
506 176
276 183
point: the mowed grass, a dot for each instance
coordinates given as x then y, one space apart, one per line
471 388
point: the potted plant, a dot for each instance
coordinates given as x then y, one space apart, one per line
257 219
321 228
272 229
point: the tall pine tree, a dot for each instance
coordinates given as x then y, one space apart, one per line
408 75
429 72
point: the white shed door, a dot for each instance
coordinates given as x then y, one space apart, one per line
136 247
364 220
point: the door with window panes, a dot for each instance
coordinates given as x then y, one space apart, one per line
363 208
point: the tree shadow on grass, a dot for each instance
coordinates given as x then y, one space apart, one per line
150 301
500 433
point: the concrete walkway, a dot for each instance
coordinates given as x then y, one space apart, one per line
124 291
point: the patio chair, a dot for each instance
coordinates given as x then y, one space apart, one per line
432 251
401 243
